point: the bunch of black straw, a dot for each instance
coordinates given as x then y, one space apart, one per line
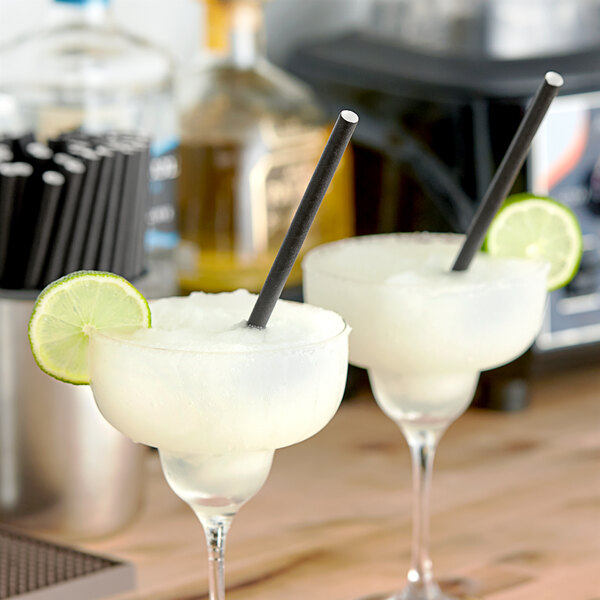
78 202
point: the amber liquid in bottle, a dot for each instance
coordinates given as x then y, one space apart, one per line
251 139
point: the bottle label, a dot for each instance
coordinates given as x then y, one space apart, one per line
238 197
162 217
277 183
279 177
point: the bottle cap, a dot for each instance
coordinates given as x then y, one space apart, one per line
219 21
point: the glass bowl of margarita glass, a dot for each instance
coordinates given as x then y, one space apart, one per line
424 334
217 398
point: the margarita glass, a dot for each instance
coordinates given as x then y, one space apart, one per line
424 333
217 398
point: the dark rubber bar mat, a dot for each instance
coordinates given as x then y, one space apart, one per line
32 569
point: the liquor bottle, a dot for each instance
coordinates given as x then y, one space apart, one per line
250 139
84 72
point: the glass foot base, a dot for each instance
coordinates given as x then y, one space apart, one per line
452 589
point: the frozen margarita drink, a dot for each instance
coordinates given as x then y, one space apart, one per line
200 381
423 331
216 397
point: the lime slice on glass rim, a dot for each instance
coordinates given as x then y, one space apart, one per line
540 228
67 311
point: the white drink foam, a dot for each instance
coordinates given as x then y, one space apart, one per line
204 322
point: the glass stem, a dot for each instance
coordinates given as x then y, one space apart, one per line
215 529
423 445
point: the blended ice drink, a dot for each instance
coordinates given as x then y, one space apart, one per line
423 332
216 397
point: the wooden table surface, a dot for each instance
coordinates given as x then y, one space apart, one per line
516 510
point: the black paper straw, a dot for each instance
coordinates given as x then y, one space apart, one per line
57 144
8 181
135 264
18 247
91 160
38 155
9 176
111 220
23 171
126 226
73 170
19 144
91 253
508 170
307 209
53 183
6 154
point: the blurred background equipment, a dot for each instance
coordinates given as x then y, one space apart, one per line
80 71
250 138
439 86
502 29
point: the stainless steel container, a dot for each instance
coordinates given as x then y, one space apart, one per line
62 466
